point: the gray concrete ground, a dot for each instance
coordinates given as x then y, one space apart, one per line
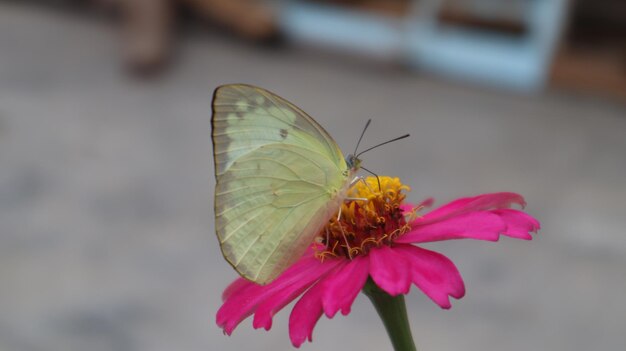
106 184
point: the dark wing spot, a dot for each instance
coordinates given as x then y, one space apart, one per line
284 133
240 115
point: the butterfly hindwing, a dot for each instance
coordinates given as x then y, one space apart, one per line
279 178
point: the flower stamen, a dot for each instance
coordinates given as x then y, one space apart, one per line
370 217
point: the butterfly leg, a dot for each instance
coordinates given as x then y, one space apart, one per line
353 181
362 180
374 174
327 235
356 199
343 233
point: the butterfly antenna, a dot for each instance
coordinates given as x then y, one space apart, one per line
381 144
362 133
374 174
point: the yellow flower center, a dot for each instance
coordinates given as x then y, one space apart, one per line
371 217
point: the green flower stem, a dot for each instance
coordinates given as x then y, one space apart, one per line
392 311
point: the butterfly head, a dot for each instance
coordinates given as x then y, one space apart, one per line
354 163
353 160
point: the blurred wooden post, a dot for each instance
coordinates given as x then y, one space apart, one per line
248 18
147 31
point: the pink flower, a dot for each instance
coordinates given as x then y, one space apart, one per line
375 239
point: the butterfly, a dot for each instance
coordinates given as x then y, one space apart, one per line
279 178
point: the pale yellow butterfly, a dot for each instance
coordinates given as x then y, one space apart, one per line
279 179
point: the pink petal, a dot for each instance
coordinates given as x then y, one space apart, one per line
337 290
305 315
519 224
433 273
390 270
342 286
408 207
471 204
274 303
242 299
235 287
474 225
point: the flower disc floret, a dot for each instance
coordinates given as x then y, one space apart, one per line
372 216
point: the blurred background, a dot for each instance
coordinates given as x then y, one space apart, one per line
106 175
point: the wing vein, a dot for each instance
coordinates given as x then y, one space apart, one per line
239 227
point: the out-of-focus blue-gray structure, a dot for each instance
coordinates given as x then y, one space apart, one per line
420 39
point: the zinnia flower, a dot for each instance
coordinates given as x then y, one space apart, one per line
375 238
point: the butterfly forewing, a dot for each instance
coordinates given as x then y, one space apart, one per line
279 178
246 117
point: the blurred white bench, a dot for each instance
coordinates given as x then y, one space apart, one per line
517 62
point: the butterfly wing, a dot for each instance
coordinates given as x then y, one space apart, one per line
279 177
